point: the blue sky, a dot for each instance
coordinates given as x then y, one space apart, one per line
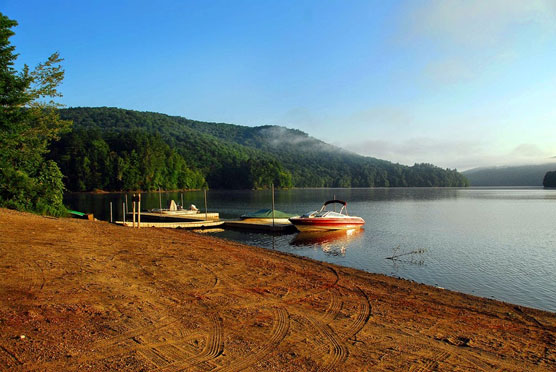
458 83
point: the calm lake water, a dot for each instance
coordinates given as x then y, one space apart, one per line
490 242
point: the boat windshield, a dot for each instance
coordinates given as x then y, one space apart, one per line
324 213
330 214
310 214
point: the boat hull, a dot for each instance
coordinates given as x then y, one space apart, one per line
326 224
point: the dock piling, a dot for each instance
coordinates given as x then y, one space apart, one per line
206 212
139 212
133 225
159 198
273 206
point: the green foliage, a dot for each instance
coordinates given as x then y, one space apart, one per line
29 121
549 179
132 160
239 157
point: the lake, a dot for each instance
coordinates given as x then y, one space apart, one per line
492 242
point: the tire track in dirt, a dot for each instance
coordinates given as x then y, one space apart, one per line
279 330
321 288
167 353
431 364
470 358
481 362
333 308
154 356
478 364
338 352
135 332
336 274
334 352
215 277
363 316
37 279
43 278
12 357
214 347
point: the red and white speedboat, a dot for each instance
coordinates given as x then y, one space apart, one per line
327 220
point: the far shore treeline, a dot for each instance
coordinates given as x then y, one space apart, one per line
115 149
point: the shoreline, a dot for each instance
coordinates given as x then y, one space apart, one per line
502 187
362 271
95 296
487 297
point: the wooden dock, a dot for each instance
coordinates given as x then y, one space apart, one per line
176 217
176 225
280 225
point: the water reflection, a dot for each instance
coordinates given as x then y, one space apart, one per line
331 242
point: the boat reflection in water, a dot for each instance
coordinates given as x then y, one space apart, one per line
331 242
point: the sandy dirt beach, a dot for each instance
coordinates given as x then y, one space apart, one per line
89 296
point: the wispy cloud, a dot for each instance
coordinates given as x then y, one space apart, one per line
530 151
280 136
478 23
450 70
461 154
418 150
467 37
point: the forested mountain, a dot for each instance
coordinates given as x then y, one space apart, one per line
522 175
100 151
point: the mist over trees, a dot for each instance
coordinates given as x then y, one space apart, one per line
520 175
224 155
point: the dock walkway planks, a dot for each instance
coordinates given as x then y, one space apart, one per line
159 217
281 225
175 225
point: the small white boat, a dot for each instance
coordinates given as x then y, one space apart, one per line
177 210
323 220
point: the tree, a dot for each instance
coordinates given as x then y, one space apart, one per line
549 179
29 121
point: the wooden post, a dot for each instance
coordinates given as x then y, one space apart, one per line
133 211
123 212
159 199
182 199
111 220
273 207
125 203
206 212
139 212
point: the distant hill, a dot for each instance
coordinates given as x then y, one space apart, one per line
522 175
109 147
